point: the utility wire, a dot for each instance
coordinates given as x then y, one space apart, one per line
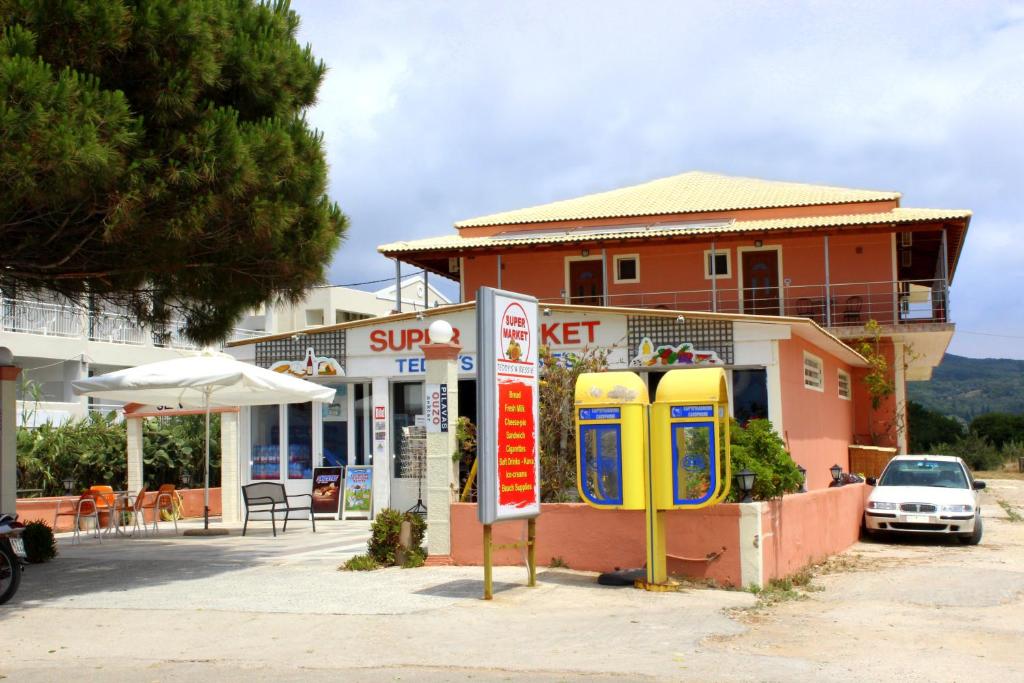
372 282
991 334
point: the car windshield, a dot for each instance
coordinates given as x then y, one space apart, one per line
943 474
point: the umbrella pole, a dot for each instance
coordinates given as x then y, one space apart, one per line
206 478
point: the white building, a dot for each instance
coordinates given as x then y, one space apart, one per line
335 305
56 343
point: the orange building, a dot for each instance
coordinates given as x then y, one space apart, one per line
703 242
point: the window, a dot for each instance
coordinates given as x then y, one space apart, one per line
341 316
719 261
627 268
314 316
813 376
749 395
844 384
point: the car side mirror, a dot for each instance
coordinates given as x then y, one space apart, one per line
871 481
978 485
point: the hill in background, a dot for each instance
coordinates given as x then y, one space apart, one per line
967 387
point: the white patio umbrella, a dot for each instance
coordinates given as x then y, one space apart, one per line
206 381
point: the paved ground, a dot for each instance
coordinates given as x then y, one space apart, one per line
263 609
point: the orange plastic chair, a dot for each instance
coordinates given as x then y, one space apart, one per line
106 504
84 507
138 510
163 500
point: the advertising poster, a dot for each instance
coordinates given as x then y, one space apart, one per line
327 485
436 408
358 500
507 383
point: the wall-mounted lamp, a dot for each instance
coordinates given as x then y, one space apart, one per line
298 335
837 474
186 479
69 483
585 253
681 319
758 243
547 311
745 482
419 315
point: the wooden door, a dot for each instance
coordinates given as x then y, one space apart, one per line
761 282
586 283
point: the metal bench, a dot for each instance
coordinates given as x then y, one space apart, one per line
268 496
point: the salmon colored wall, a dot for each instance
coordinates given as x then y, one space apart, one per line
742 214
868 421
602 540
32 509
806 528
672 268
819 425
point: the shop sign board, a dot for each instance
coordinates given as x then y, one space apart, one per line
327 485
358 498
436 408
507 390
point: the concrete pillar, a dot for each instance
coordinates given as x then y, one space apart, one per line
381 456
751 545
442 471
135 474
8 434
230 486
74 369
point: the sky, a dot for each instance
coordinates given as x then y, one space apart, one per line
433 112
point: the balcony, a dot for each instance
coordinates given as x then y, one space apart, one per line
77 322
836 305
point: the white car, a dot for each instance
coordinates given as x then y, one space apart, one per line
932 494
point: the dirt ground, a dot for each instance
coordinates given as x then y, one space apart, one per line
265 609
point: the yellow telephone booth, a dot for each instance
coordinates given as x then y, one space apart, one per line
690 439
611 439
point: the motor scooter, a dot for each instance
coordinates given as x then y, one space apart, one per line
12 556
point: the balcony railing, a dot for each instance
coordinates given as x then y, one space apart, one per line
52 320
117 329
835 305
76 322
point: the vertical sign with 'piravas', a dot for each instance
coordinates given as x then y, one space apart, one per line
509 486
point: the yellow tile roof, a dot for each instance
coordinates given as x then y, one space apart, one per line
693 192
591 234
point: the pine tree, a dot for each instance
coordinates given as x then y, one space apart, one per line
154 155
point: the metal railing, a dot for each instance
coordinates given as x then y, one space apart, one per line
73 321
116 328
32 317
837 304
241 334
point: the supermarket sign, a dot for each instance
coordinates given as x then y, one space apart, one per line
508 435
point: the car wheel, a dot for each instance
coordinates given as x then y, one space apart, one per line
973 538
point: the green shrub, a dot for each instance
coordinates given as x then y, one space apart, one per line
977 451
92 450
385 531
40 545
415 558
759 449
360 563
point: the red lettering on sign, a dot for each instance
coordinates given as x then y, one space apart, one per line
403 340
557 334
517 446
378 341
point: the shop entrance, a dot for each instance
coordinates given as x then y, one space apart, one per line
407 428
288 441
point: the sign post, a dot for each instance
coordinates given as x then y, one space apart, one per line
508 433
